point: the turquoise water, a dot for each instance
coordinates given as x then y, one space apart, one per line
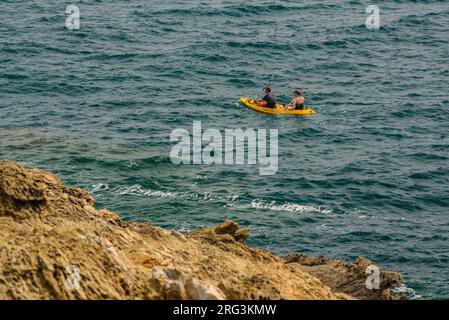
368 175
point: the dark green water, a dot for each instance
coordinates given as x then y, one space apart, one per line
368 175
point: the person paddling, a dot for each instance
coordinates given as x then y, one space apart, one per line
297 102
269 101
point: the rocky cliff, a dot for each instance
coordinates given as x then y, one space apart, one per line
55 245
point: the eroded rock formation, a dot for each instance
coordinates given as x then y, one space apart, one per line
55 245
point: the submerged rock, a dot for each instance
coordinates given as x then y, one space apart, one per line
55 245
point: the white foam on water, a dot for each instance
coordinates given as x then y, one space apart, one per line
406 291
287 207
231 200
132 163
98 187
136 190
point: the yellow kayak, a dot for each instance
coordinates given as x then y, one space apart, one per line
251 103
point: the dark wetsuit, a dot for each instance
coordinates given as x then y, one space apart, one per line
271 101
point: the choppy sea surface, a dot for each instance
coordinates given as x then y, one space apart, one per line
368 175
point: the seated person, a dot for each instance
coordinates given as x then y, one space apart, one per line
297 102
269 101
